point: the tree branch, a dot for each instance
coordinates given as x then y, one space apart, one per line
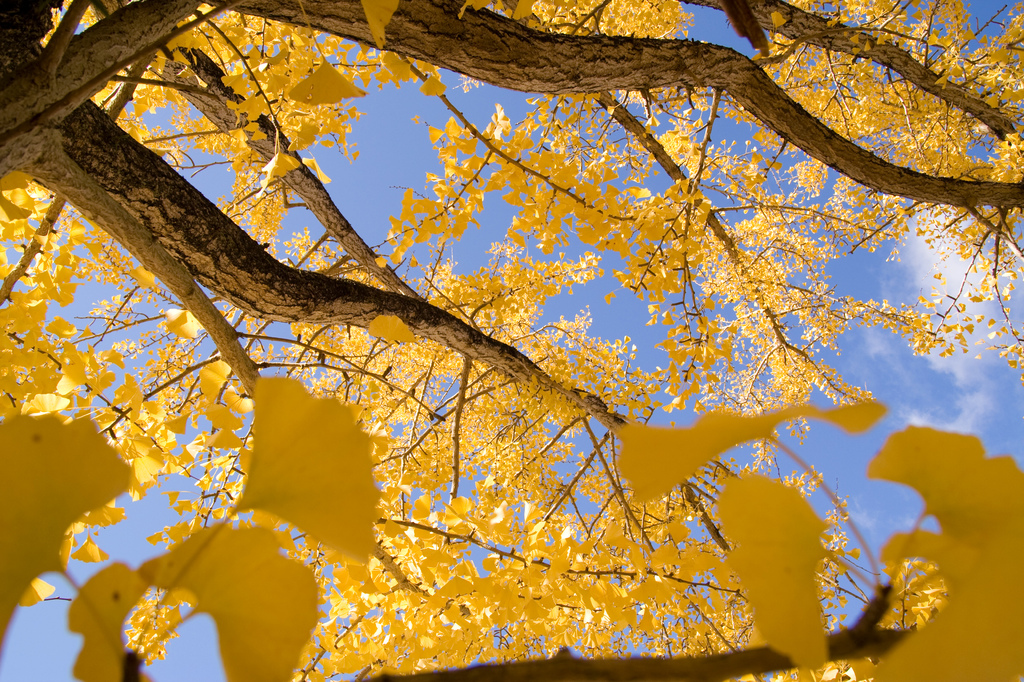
805 27
212 100
848 644
67 178
460 403
30 96
499 51
225 259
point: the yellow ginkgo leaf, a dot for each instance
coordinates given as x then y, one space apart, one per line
311 466
264 605
390 328
378 14
279 165
433 86
62 328
523 9
36 592
851 418
778 19
326 85
98 614
310 163
144 277
979 504
182 323
46 402
778 550
10 211
89 552
50 474
212 377
73 376
655 459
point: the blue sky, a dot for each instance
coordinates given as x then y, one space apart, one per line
959 393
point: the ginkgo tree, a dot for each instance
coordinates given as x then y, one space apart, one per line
404 465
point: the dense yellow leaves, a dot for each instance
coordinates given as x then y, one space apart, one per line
98 613
655 459
778 550
50 474
311 467
502 529
263 604
979 503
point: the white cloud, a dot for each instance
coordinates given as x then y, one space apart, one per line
973 378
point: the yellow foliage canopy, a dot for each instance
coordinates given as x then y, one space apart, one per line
412 456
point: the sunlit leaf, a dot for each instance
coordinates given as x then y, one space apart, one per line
144 277
98 613
280 164
311 163
46 402
89 552
326 85
50 474
655 459
36 592
979 504
182 323
11 211
390 328
378 14
212 378
264 605
433 86
778 538
311 466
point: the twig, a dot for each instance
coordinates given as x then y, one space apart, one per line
467 365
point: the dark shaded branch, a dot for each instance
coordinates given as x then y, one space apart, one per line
31 95
848 644
499 51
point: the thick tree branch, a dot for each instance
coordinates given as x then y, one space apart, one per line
212 100
32 95
491 48
226 260
812 29
62 175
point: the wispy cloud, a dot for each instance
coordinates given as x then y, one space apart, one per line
972 377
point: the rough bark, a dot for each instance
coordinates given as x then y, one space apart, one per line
31 96
225 259
502 52
23 23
